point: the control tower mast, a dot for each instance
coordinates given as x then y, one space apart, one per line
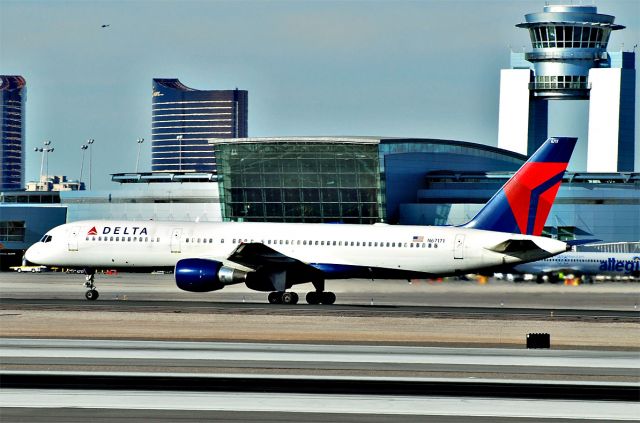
569 61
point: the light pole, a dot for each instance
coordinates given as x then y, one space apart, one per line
47 151
84 150
179 138
44 150
140 141
89 143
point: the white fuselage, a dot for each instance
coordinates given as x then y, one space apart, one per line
150 244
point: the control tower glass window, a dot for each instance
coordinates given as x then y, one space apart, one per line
552 36
562 36
577 36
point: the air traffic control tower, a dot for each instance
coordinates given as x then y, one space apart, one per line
569 61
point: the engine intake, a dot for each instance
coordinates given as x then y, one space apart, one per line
202 275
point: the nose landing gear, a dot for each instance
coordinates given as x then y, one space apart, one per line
92 293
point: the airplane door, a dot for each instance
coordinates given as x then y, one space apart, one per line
176 240
458 248
73 238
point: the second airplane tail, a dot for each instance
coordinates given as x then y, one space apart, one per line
523 203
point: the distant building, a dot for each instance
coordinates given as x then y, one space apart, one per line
12 98
54 183
183 119
24 218
569 61
149 196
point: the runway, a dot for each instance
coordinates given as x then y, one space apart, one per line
317 360
107 406
622 296
170 380
414 334
452 313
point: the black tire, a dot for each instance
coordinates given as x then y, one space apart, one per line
287 298
19 270
91 294
328 298
295 298
313 297
274 298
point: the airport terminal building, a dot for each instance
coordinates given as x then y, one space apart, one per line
362 180
405 181
339 179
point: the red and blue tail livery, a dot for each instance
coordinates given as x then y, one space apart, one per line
523 203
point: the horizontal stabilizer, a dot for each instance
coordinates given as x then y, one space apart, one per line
513 246
524 249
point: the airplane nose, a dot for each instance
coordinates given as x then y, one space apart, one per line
30 255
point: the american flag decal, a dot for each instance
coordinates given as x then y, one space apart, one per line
418 239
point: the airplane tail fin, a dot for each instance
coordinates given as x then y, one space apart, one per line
522 205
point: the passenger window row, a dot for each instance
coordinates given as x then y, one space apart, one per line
202 240
193 240
123 238
566 260
344 243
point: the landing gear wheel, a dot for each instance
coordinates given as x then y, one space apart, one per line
92 295
328 298
313 297
275 297
287 298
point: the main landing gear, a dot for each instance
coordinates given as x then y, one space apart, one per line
318 297
283 298
313 297
92 293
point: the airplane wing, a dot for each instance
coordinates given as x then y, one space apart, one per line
266 260
256 255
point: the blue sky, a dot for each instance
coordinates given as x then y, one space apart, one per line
383 68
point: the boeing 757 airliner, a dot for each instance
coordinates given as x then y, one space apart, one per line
275 256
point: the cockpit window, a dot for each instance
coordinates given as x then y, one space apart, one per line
46 238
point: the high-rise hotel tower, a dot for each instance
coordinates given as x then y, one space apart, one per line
570 61
184 119
13 94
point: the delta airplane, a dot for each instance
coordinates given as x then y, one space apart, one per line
272 257
583 264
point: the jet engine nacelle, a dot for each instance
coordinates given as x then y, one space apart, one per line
202 275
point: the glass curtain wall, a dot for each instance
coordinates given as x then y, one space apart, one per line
300 182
